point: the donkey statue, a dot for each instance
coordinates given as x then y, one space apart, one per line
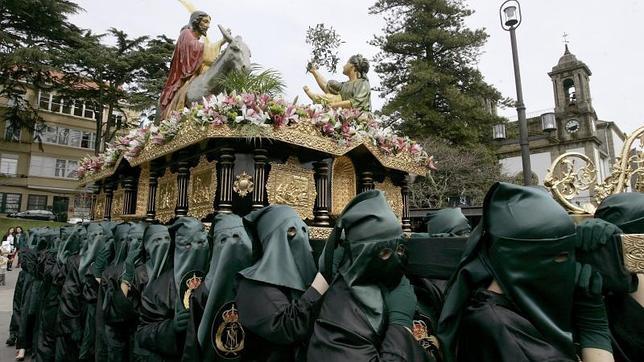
236 57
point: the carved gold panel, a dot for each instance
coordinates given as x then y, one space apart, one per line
291 184
343 184
143 190
392 194
202 188
319 233
166 196
633 249
117 204
99 207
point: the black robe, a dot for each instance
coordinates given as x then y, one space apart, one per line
89 297
192 351
626 322
155 333
121 313
52 281
70 312
28 291
18 291
493 330
342 333
277 325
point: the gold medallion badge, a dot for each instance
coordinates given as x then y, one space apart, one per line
228 333
191 284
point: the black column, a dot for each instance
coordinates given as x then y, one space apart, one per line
321 210
109 195
183 177
96 189
259 180
152 192
366 181
226 179
404 190
129 195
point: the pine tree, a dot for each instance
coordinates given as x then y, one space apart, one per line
428 68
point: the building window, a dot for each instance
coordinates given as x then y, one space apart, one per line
12 132
87 140
60 168
89 112
63 136
37 202
70 171
78 108
56 103
117 118
9 202
44 100
50 134
9 165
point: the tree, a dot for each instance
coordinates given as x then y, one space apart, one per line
324 44
33 33
131 72
427 64
466 171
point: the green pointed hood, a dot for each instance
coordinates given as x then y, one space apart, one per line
366 228
135 240
158 250
286 257
231 253
31 239
72 244
626 210
191 249
119 232
519 248
95 241
448 221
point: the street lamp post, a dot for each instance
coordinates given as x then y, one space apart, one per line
510 14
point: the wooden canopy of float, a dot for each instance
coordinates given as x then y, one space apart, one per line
204 171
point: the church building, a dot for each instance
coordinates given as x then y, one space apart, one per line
572 127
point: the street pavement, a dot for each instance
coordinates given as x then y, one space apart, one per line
7 354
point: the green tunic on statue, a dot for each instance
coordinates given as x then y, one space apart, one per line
357 91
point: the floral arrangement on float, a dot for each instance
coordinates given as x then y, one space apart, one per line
346 126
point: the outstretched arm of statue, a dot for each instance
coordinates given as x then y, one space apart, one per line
319 78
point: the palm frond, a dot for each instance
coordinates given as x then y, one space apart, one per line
267 81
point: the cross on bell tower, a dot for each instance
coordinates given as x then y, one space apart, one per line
574 110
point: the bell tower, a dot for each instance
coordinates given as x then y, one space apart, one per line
576 117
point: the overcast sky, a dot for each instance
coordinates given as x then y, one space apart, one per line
607 36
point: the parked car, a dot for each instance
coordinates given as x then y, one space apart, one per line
77 220
34 214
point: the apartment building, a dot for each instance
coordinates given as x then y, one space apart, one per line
38 168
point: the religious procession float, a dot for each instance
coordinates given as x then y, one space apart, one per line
218 152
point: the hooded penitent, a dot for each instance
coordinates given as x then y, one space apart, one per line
371 263
135 239
231 252
72 243
158 252
120 232
95 240
286 259
191 249
447 222
529 254
626 210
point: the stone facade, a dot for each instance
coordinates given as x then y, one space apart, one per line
578 128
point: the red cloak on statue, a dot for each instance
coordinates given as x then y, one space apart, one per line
186 59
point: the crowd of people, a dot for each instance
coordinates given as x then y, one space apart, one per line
13 241
526 284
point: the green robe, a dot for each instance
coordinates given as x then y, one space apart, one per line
357 91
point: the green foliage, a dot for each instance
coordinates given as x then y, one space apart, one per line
428 68
268 81
32 35
462 171
325 43
8 222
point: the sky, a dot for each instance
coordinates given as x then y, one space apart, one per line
607 36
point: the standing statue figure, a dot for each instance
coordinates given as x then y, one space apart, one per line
191 57
354 93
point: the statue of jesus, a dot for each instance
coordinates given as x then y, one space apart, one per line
191 57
